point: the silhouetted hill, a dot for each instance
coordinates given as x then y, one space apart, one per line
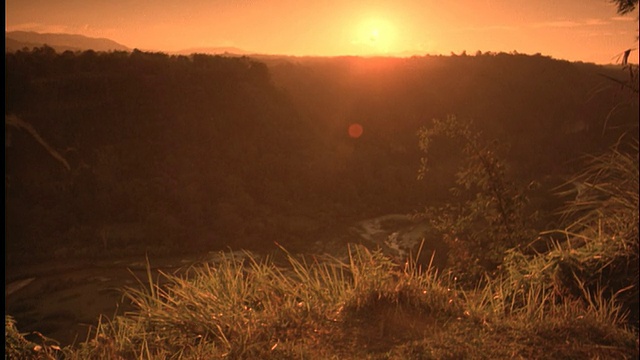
18 40
213 51
231 151
15 45
548 110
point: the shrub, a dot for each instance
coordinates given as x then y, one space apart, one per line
487 216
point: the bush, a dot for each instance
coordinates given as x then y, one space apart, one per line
487 216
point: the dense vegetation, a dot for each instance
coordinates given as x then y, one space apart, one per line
166 153
214 151
178 148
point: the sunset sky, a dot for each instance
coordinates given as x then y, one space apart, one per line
584 30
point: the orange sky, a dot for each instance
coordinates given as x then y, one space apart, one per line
584 30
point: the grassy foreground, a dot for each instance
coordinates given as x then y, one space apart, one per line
366 307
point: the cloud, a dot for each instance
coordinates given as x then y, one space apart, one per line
595 22
496 27
41 28
546 24
570 23
556 24
623 18
486 28
599 34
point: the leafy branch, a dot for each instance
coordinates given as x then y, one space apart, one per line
487 216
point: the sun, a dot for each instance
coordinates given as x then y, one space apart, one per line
375 36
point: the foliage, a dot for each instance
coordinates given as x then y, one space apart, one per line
16 346
487 216
210 151
291 307
179 145
249 308
211 162
625 6
603 221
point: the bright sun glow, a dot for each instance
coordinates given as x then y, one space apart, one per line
375 36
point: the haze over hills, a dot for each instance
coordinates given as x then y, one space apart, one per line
17 40
213 51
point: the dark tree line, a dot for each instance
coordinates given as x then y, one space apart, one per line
182 152
188 148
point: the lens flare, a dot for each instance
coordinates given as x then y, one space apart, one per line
355 130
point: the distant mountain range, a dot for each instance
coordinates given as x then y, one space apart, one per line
18 40
213 50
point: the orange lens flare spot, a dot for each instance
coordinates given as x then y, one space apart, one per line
355 130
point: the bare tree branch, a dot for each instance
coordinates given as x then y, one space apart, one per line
13 120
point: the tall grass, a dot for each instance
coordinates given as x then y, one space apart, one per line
601 248
367 307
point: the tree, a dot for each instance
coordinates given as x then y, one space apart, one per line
487 215
625 6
